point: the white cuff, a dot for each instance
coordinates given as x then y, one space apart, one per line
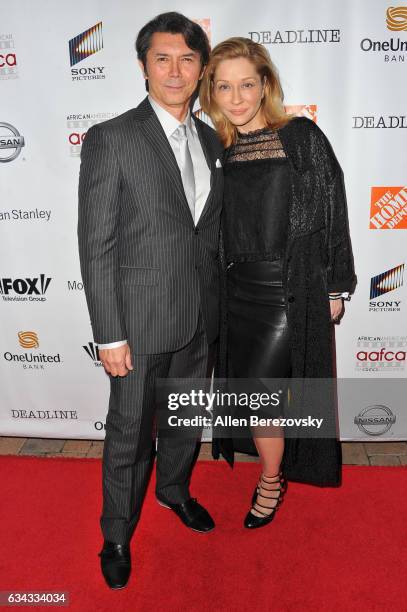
112 345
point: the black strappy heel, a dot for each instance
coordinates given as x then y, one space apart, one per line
252 521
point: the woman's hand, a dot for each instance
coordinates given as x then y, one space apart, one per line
336 309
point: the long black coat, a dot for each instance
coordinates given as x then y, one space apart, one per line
318 260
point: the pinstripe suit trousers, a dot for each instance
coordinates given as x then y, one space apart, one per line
129 448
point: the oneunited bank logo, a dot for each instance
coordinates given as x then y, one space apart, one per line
83 46
388 208
31 360
28 339
396 18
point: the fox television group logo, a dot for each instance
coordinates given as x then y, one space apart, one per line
83 46
393 49
25 289
92 350
388 208
8 58
384 283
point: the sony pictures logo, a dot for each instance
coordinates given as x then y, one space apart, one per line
8 58
83 46
384 283
24 289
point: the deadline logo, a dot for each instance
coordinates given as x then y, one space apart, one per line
11 142
34 288
83 46
92 350
388 208
383 283
28 339
8 58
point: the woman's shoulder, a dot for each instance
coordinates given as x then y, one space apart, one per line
307 144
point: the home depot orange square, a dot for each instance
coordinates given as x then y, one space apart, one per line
388 208
302 110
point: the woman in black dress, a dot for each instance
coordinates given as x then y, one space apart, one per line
285 233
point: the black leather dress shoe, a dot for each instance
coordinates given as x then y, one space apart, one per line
115 562
192 514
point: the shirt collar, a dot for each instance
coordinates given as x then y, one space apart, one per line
168 122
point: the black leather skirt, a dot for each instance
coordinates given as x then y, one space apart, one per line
258 336
258 340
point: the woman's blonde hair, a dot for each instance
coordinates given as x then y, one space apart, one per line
271 106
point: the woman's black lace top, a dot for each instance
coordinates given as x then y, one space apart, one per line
256 201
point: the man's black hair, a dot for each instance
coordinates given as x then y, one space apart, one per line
173 23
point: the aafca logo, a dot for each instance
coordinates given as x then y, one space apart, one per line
393 49
302 110
388 208
83 46
384 283
24 289
8 58
92 350
31 360
78 125
381 354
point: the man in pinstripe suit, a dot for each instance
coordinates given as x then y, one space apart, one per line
150 192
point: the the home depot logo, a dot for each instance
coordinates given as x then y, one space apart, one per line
388 208
302 110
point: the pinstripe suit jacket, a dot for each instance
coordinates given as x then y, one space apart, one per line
146 268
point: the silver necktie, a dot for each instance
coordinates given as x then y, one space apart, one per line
186 166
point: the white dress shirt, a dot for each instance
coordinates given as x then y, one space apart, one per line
202 171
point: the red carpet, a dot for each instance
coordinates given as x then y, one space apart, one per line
328 549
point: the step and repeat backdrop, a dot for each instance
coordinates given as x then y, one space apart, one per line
67 66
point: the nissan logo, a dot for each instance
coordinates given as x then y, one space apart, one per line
375 420
11 142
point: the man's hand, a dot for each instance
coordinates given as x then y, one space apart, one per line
336 309
116 361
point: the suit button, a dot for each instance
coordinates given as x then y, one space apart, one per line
291 298
196 231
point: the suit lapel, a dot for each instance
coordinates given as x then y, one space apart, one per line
154 134
209 156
